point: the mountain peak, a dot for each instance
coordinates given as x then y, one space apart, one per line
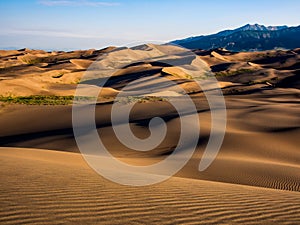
252 27
246 38
258 27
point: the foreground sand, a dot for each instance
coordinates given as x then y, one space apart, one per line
51 187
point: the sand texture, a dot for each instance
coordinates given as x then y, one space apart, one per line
255 178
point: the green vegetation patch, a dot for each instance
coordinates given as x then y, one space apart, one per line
34 60
140 99
68 100
38 100
46 99
235 72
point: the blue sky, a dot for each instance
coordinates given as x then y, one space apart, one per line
82 24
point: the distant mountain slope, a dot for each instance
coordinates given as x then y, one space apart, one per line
247 38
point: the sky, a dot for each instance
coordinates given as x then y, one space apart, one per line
84 24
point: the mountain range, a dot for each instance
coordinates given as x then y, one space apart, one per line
246 38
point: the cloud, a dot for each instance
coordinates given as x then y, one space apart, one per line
92 3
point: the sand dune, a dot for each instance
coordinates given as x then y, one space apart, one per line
218 56
34 72
81 63
61 188
29 72
253 142
254 179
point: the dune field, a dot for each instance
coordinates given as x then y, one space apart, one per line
255 178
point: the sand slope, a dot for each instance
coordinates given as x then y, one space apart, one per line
49 187
256 151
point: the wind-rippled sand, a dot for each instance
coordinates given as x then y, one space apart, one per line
49 187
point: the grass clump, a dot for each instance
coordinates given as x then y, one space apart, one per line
38 100
68 100
35 60
235 72
139 99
